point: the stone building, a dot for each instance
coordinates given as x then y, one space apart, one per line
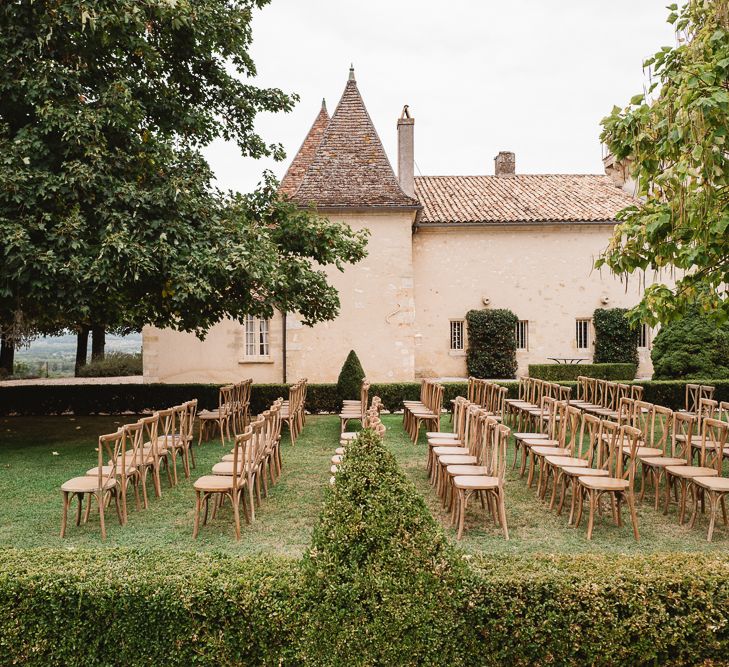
439 247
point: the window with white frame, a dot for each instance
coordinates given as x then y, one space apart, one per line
582 333
522 335
644 336
457 335
256 334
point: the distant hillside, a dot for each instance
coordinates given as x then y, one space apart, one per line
57 354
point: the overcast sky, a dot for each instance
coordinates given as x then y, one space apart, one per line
480 76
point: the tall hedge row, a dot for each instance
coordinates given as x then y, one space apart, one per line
561 372
321 398
616 341
491 349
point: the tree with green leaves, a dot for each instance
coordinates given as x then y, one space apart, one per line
108 214
693 347
350 378
673 140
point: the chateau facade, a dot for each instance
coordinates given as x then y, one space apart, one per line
439 246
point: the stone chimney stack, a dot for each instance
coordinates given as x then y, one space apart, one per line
505 164
406 152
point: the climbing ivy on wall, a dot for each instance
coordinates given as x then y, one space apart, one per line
491 343
616 340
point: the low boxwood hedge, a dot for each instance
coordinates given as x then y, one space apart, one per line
561 372
663 609
125 607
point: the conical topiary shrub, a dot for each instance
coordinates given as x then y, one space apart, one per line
350 378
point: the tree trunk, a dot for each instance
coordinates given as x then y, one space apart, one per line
82 347
7 355
98 341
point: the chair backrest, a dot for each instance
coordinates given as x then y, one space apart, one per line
683 430
494 458
166 425
610 396
590 435
708 409
693 394
134 443
629 438
660 428
112 447
191 407
150 431
243 455
713 441
570 432
226 399
626 411
636 392
460 407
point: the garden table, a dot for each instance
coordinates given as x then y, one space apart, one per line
567 360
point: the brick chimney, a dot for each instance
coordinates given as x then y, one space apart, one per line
406 152
505 164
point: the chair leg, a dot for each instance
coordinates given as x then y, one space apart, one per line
79 507
118 507
633 515
64 516
236 515
196 525
100 500
462 512
502 512
591 518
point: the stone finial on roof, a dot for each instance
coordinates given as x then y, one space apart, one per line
351 72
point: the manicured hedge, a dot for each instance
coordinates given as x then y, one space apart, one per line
384 584
491 351
668 609
321 398
125 607
557 372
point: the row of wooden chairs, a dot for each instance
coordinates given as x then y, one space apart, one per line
293 410
653 437
602 397
371 420
125 459
521 413
254 459
426 410
470 461
355 409
231 415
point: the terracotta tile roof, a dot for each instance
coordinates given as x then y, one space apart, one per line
520 198
350 168
295 173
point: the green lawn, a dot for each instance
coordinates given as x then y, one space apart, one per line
31 474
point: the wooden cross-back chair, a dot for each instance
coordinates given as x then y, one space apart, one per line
573 431
219 419
355 409
694 394
213 487
466 454
428 414
489 487
292 411
618 484
102 486
682 477
437 446
656 451
538 447
714 488
568 470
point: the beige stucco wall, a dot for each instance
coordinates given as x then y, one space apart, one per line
543 273
376 320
